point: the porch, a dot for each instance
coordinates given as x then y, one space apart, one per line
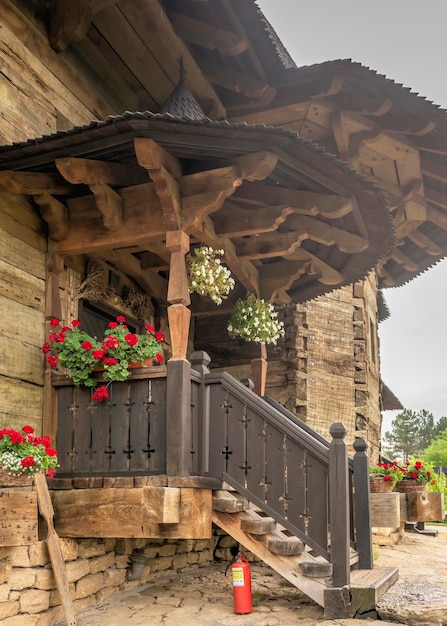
237 460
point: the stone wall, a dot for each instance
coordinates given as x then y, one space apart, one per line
96 568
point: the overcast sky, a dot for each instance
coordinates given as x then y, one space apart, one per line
406 40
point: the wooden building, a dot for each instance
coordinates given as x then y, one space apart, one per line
132 130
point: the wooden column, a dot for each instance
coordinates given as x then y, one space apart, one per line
259 371
178 407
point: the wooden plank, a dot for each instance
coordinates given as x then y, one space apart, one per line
24 318
21 404
15 250
27 364
18 517
368 586
22 287
385 510
54 547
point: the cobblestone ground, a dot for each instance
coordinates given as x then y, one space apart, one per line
203 596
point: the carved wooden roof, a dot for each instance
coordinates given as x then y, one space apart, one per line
294 221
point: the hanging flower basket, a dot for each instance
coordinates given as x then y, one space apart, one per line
206 274
255 320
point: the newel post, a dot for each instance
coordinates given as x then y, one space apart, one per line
339 505
259 371
362 505
178 404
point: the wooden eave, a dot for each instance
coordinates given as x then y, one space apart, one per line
294 221
383 130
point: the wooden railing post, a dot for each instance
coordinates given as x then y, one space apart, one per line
339 505
362 505
199 363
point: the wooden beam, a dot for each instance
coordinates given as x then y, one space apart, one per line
142 224
402 259
93 172
305 202
437 217
425 243
55 214
110 204
327 234
236 81
31 183
434 170
165 171
69 21
208 36
277 278
150 282
237 222
328 275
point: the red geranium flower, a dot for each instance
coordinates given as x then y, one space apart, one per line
113 324
159 357
75 323
100 394
54 322
86 345
28 461
109 361
46 348
150 329
51 451
53 361
131 339
160 337
121 319
28 430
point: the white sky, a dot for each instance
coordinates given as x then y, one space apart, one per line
406 40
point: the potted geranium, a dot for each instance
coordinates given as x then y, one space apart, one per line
384 476
206 274
24 453
255 320
415 477
81 354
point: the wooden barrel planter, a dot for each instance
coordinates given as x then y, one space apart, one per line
378 485
409 485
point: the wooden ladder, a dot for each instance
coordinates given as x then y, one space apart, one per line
288 555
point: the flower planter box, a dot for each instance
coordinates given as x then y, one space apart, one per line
385 510
18 511
425 506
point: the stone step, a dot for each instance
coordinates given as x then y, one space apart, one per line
255 524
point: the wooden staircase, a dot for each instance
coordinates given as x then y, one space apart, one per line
293 560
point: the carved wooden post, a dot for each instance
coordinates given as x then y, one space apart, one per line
259 371
339 505
362 505
178 408
54 266
199 362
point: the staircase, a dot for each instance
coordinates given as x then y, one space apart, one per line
294 561
291 497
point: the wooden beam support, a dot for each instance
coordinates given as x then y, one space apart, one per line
165 171
55 214
277 278
236 81
327 234
434 170
328 275
305 202
208 36
32 183
69 21
237 222
110 204
425 243
92 172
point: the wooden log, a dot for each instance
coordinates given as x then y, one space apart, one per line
161 505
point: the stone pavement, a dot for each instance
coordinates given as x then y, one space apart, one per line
203 596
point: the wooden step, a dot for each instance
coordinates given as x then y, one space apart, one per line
286 566
369 585
228 502
316 569
255 524
279 543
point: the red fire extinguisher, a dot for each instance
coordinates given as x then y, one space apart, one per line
242 586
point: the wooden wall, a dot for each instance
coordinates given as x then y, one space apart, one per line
42 91
22 302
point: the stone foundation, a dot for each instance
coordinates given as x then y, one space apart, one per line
96 569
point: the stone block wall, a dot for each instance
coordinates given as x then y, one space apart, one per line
96 569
